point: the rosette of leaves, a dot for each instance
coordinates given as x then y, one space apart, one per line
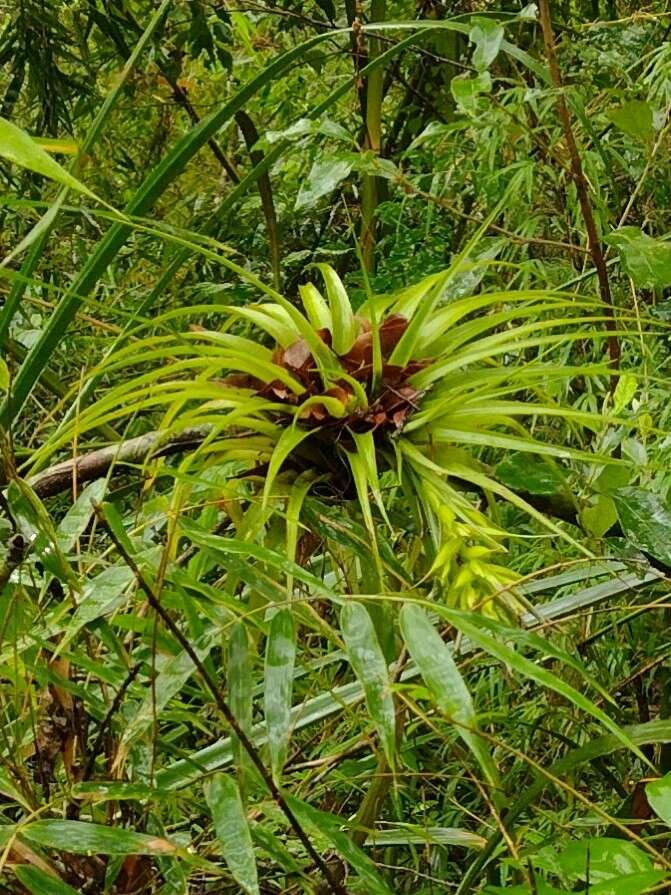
391 417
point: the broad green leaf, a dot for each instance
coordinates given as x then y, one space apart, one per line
640 734
329 826
529 475
40 883
541 888
84 838
602 859
600 517
344 327
466 90
647 260
487 35
278 686
445 683
629 883
273 845
624 392
612 478
74 523
659 797
635 119
323 177
232 829
18 147
369 665
4 375
645 520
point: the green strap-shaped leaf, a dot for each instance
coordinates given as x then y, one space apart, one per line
232 829
20 148
84 838
278 686
538 673
320 822
369 665
74 523
286 443
344 329
40 883
316 309
445 683
240 682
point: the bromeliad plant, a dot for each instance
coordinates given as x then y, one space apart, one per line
393 409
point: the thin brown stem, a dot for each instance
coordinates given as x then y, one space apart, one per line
582 189
251 136
222 705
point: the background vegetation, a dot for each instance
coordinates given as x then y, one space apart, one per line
335 520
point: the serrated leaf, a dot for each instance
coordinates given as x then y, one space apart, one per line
232 829
370 667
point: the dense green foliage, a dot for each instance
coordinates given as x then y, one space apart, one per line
335 511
